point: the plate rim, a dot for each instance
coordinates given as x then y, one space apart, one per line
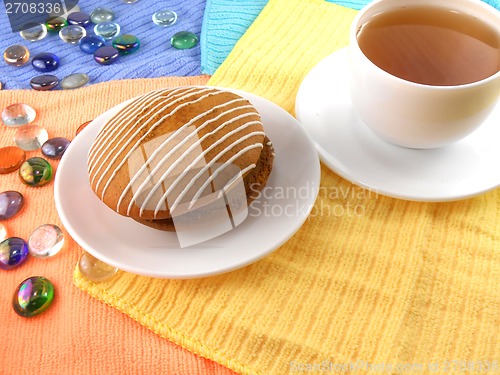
211 271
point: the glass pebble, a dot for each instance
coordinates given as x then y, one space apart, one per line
82 126
3 232
91 43
55 24
108 30
184 40
33 296
78 18
44 82
106 55
46 241
164 17
130 1
95 270
72 34
102 15
45 62
126 44
18 114
30 137
34 32
16 55
11 158
55 148
73 81
13 252
35 172
11 202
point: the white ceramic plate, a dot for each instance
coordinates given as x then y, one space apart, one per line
127 245
348 147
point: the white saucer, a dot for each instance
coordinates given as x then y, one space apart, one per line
127 245
348 147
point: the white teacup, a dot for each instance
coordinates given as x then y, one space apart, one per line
417 115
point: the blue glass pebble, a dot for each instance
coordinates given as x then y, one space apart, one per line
13 252
11 202
44 82
106 55
91 43
108 30
55 148
45 62
79 18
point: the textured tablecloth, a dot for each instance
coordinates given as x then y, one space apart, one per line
155 58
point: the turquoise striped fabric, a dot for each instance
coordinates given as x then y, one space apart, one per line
225 21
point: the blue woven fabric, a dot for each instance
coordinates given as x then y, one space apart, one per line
155 58
226 21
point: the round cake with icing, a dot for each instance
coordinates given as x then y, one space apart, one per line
172 147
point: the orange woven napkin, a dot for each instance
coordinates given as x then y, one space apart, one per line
77 334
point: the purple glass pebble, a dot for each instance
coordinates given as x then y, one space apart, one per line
91 43
44 82
79 18
54 148
106 55
45 62
11 202
13 252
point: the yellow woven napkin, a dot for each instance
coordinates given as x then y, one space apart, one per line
368 281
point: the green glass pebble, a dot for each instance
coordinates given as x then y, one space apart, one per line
184 40
33 296
55 24
35 172
101 15
126 44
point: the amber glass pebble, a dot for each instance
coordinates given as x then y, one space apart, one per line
82 126
11 158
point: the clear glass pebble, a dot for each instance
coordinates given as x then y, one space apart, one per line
18 114
72 34
45 62
95 270
16 55
91 43
35 172
130 1
73 81
102 15
46 241
55 24
34 32
78 18
126 44
11 203
106 55
107 30
3 232
13 252
30 137
164 17
11 158
44 82
184 40
33 296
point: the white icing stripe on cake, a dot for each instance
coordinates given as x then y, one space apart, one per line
159 149
102 139
144 125
136 145
208 165
128 125
190 166
231 181
218 170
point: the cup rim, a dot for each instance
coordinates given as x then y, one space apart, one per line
353 43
